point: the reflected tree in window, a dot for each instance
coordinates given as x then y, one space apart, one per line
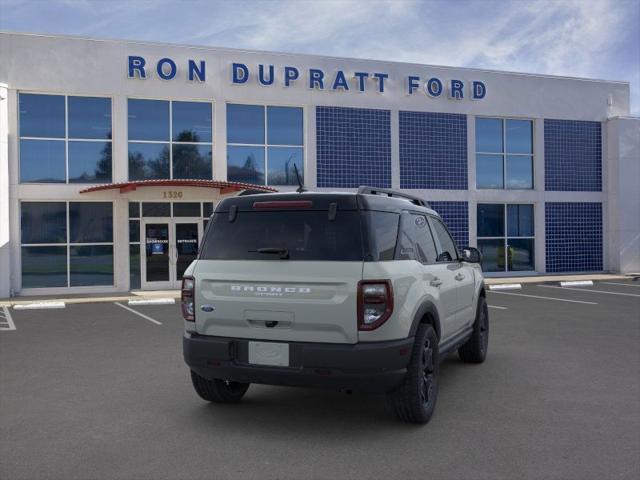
141 168
248 172
190 160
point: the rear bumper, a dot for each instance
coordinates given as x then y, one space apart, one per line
369 367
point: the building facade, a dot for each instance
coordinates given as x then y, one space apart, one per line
114 153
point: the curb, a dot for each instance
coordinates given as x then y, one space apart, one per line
70 301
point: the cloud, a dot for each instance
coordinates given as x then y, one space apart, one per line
589 38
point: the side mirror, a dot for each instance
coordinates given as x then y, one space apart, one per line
471 255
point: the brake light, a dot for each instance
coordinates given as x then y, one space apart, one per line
187 298
283 204
375 303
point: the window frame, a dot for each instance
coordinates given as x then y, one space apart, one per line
67 244
411 214
170 142
66 138
266 145
506 236
436 239
504 154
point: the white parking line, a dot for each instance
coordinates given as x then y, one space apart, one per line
39 305
621 284
138 313
591 290
497 307
152 301
8 324
505 286
546 298
577 283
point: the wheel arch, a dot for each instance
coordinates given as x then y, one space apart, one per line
427 313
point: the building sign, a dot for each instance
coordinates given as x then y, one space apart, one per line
312 78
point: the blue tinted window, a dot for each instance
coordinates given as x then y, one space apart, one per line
519 136
521 254
520 220
134 266
191 121
192 161
186 209
148 160
134 210
44 267
281 161
42 161
284 126
156 209
91 265
207 209
245 164
90 222
490 220
489 171
148 120
245 124
89 117
41 115
134 230
519 171
489 135
492 255
43 222
89 162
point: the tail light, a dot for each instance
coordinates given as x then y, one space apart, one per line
187 298
375 303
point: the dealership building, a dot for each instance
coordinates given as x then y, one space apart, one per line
113 155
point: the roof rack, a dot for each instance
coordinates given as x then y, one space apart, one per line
394 194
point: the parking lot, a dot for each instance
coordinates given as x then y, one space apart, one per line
101 391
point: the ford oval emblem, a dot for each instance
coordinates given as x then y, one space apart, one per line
207 308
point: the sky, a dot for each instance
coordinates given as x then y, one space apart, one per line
579 38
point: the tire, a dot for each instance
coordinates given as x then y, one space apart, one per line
475 349
415 400
218 391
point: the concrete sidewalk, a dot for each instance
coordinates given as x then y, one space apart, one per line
175 294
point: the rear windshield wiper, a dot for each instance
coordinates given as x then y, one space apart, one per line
283 252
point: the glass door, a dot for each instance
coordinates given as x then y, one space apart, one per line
186 239
156 260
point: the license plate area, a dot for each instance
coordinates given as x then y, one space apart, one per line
269 353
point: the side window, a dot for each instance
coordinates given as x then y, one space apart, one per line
448 251
382 228
416 242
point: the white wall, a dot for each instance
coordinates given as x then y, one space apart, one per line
623 160
5 250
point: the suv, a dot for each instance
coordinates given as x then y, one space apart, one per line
354 291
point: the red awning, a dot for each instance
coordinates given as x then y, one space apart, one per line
224 187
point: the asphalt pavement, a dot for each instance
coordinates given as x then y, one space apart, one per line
97 391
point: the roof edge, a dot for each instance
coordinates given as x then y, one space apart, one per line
313 55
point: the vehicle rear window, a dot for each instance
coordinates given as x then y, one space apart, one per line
304 234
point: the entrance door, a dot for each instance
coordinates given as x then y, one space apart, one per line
186 238
170 246
156 260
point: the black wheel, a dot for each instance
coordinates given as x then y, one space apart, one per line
415 400
475 349
218 391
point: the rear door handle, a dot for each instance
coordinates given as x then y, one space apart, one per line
459 276
436 282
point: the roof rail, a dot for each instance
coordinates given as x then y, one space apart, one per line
394 194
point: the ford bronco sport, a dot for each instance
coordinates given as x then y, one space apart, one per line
354 291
